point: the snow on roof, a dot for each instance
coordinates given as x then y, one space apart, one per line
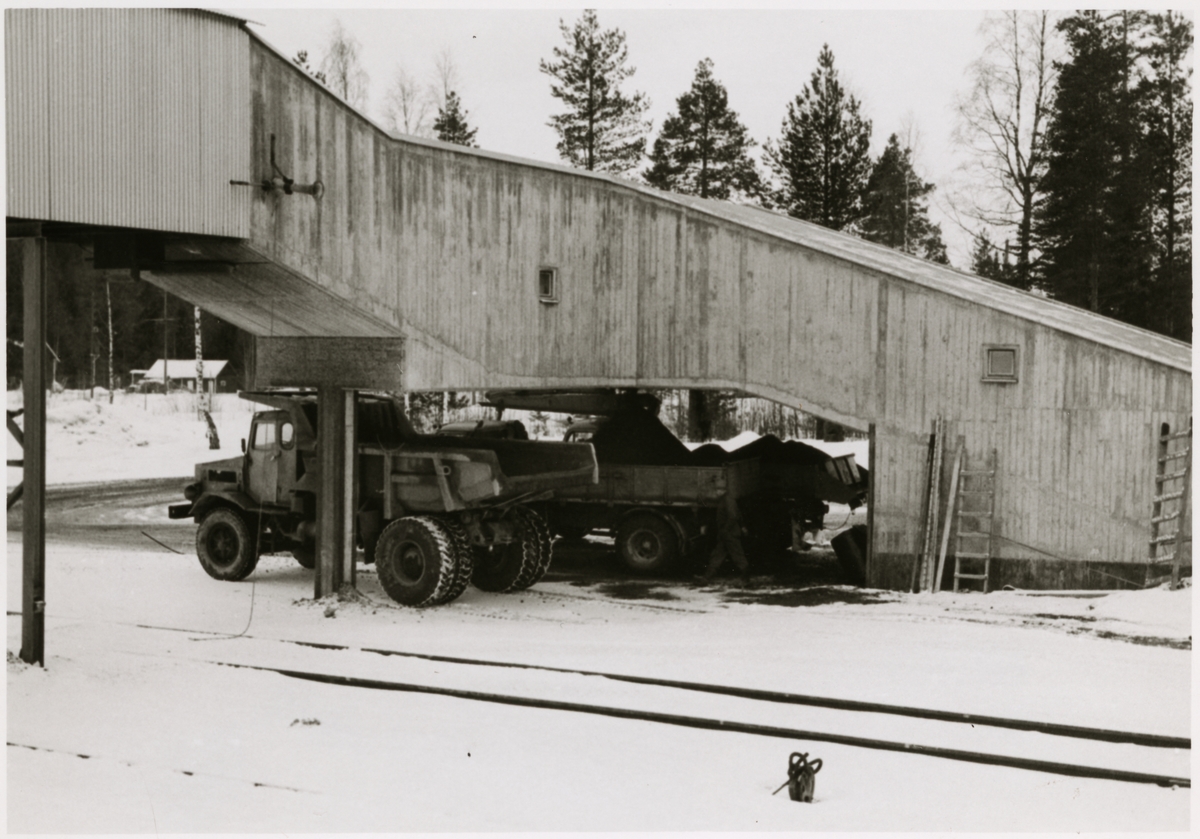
185 368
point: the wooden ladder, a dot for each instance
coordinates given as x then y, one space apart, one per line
1172 503
976 522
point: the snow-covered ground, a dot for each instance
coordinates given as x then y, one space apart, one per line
137 436
139 724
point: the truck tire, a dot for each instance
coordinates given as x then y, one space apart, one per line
537 529
225 545
514 565
646 543
464 562
306 556
415 559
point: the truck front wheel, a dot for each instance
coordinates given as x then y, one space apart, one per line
225 545
416 560
646 543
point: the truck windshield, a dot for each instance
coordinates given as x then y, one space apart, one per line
264 435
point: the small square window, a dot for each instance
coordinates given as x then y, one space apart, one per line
548 285
1000 363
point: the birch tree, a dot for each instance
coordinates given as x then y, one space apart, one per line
342 68
1002 125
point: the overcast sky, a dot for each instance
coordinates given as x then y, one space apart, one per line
905 67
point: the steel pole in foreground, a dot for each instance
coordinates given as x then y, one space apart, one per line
33 534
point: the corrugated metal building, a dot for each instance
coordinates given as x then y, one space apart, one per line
473 270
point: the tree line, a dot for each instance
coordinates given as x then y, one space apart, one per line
1082 131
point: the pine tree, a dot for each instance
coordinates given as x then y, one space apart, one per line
1165 94
823 158
896 209
451 123
301 61
602 128
703 149
986 261
1093 226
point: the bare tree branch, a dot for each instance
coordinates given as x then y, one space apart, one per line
1002 124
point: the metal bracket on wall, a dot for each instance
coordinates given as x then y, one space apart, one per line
280 182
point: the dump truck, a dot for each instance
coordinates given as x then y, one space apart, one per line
656 514
434 513
661 511
659 499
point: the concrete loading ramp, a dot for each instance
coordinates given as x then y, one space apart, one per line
429 266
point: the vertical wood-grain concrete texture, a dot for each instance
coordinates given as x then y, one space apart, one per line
434 252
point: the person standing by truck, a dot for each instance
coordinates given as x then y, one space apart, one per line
729 541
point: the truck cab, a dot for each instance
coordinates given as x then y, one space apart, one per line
270 459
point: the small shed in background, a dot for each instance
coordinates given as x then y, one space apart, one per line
218 376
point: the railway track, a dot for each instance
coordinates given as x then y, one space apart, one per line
1023 744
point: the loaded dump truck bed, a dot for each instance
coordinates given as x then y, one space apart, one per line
670 485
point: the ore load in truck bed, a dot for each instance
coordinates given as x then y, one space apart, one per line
796 469
790 469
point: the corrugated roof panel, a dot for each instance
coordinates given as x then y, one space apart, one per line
27 125
146 118
224 103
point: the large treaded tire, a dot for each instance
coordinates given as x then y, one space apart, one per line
647 544
515 565
538 530
225 545
415 559
464 563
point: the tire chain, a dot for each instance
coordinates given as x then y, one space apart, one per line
535 562
464 560
529 558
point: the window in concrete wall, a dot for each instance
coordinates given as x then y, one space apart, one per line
1000 363
548 285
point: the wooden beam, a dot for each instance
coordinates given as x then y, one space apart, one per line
22 229
33 533
951 497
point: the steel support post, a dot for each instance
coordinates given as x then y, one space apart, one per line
350 483
33 534
335 540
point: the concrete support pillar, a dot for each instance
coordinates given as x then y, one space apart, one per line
33 534
336 496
